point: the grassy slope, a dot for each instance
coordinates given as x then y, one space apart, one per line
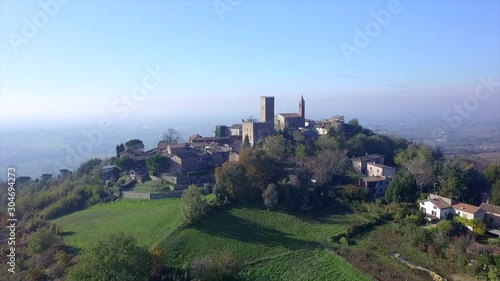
251 233
274 245
148 221
302 265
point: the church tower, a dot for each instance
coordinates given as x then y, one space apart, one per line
302 107
267 109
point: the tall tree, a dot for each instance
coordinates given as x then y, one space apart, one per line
402 189
194 205
232 180
258 167
116 257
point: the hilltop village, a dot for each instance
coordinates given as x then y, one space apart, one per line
327 188
190 161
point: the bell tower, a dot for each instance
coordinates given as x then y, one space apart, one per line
302 107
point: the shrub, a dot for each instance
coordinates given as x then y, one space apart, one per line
42 240
344 241
194 205
213 267
115 257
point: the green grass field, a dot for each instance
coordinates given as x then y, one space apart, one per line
270 245
150 221
250 232
302 265
150 186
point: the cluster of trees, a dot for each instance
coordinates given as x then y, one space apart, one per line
424 170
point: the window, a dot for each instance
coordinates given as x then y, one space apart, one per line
434 207
433 213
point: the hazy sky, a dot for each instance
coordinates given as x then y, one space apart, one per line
80 60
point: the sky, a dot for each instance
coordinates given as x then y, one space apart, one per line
81 60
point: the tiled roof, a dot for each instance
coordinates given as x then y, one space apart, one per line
236 126
369 157
490 208
290 115
379 165
373 179
440 203
466 208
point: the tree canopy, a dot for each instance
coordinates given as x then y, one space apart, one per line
402 189
134 144
116 257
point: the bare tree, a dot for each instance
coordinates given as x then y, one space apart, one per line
171 135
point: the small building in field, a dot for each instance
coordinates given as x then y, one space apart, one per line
492 214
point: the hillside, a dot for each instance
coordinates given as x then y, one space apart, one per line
148 221
263 241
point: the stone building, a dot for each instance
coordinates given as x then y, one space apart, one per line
291 121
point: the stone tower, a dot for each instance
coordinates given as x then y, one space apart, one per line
267 109
302 107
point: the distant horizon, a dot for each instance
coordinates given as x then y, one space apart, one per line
150 59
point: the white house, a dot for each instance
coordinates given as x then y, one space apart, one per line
436 207
468 211
377 169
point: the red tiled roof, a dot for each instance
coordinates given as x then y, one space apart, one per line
466 208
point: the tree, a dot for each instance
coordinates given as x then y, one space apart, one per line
119 149
495 194
42 240
251 119
116 257
124 163
171 135
326 142
327 166
157 163
402 189
232 180
492 173
461 181
246 142
87 167
46 176
65 173
194 205
418 161
277 147
258 167
270 196
134 145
